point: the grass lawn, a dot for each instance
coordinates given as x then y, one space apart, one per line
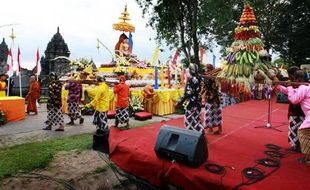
27 157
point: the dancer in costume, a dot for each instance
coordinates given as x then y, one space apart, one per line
33 95
122 92
54 114
193 99
295 114
301 95
101 105
213 110
74 98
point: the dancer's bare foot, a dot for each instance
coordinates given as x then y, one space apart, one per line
81 120
70 123
210 131
219 131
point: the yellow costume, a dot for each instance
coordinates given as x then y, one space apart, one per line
64 98
101 101
101 105
2 88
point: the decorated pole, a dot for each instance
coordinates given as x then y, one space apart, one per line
201 51
162 77
19 73
176 75
10 53
182 76
169 79
156 77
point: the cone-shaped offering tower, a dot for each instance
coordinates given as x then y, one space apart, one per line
247 61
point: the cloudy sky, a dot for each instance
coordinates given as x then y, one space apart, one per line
81 22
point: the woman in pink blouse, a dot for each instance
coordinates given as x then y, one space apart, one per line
301 95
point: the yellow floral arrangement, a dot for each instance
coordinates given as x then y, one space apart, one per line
122 61
120 70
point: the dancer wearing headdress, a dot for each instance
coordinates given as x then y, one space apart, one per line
192 98
74 97
213 110
54 114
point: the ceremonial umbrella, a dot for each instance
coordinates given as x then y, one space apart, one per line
123 25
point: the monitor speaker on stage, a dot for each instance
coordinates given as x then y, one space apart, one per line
101 141
182 145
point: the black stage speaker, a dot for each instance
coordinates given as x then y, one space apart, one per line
101 141
182 145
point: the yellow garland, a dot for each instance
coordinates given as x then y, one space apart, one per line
242 29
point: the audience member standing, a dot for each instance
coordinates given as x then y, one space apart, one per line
10 84
3 86
33 95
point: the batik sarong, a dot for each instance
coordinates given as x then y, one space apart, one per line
54 117
213 116
74 111
101 120
192 119
122 115
295 122
304 139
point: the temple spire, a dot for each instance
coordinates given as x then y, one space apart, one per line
57 29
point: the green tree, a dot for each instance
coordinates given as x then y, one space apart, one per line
178 23
188 24
284 25
292 37
227 13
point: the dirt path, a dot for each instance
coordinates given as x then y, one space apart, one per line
84 170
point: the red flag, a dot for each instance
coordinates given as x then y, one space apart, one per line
18 60
201 51
175 58
37 62
10 65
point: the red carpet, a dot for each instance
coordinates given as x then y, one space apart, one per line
239 146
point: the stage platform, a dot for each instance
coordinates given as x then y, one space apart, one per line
240 145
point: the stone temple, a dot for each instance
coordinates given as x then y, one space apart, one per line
3 56
55 57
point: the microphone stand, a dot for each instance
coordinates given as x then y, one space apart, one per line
268 124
